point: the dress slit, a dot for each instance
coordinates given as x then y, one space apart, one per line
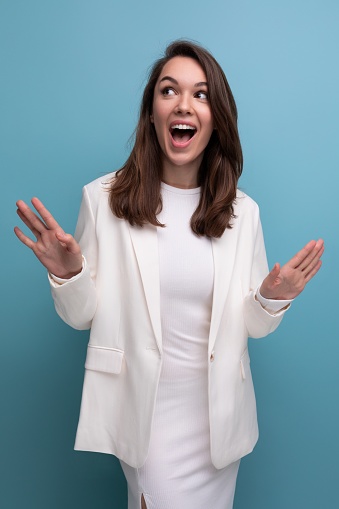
143 503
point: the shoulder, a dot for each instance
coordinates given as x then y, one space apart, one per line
246 213
95 194
100 184
245 204
97 191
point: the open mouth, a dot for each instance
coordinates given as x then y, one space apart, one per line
182 133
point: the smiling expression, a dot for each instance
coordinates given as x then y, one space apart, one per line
182 115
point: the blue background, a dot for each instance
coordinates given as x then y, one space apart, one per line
71 77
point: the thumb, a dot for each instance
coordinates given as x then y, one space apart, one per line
67 240
274 273
270 282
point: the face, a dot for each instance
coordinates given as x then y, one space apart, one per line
182 115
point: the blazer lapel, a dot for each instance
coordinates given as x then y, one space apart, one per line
145 243
224 250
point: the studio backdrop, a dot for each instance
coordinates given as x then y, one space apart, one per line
71 77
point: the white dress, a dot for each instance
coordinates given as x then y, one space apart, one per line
178 473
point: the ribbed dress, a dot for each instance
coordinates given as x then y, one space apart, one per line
178 473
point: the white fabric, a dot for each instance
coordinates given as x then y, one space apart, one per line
272 305
178 472
117 295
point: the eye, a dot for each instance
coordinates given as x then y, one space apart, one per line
202 94
167 91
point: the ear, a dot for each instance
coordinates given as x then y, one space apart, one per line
151 118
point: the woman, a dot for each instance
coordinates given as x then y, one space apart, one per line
168 269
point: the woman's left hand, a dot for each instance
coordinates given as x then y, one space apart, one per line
286 282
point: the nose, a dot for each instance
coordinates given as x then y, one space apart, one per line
184 105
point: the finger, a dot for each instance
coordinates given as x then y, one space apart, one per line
301 255
28 223
313 263
45 214
23 238
315 254
313 272
33 219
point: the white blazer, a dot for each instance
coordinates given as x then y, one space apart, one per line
117 295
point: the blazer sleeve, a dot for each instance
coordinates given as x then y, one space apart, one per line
76 300
259 322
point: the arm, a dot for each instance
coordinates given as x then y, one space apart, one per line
260 319
279 287
76 300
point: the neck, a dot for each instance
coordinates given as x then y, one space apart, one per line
184 177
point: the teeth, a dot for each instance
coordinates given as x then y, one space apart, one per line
183 126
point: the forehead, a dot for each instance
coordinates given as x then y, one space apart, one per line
183 69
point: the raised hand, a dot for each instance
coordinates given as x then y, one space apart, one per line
57 251
288 281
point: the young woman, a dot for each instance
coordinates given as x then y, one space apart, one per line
168 269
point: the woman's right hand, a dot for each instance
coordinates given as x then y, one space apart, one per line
57 251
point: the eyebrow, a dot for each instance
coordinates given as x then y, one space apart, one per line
169 78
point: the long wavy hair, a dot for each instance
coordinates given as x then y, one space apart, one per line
135 189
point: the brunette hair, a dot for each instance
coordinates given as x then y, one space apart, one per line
135 188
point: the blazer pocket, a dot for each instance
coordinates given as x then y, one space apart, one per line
244 363
107 360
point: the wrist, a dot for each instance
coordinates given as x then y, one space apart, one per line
264 293
69 275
